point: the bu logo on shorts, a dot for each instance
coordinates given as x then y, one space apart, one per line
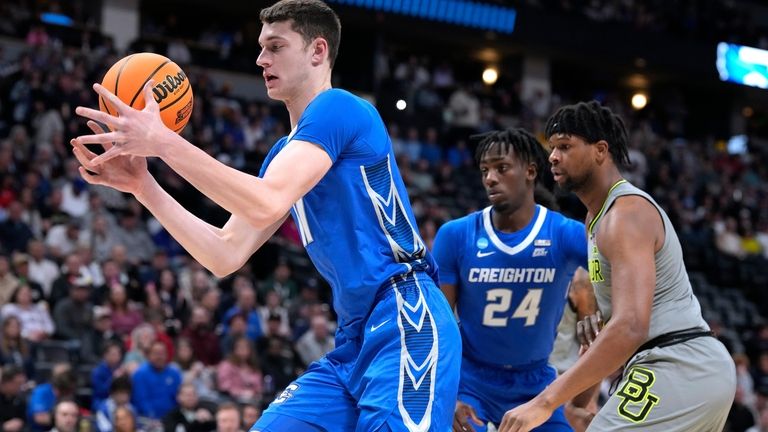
636 397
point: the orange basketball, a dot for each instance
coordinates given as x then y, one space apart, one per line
172 90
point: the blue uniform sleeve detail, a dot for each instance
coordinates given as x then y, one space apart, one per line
573 237
271 155
445 250
334 120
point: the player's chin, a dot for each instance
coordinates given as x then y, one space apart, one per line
500 206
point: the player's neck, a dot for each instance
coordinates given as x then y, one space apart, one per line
299 103
594 195
514 220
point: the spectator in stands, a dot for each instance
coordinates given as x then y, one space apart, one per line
274 306
125 420
762 236
239 375
280 281
126 315
13 406
316 342
193 371
762 424
740 417
111 274
105 372
251 414
45 396
280 363
174 304
189 415
96 340
74 315
154 317
91 266
20 263
300 309
74 192
228 418
101 237
72 272
97 209
36 322
246 303
41 269
760 376
727 238
432 152
14 350
744 380
412 145
210 299
30 213
65 416
119 397
236 328
155 384
62 239
8 282
142 338
200 333
14 232
132 234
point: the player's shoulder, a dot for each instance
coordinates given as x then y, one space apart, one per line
459 227
341 98
463 222
560 220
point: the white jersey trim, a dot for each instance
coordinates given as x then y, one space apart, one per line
488 225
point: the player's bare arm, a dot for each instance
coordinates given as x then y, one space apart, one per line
261 202
628 238
449 291
581 409
220 250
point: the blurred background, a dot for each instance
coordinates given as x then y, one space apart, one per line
96 297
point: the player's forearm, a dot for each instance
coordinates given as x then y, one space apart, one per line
611 350
202 240
237 192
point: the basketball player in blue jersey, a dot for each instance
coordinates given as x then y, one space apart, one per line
507 269
397 357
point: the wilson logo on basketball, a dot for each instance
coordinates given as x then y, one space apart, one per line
182 114
168 86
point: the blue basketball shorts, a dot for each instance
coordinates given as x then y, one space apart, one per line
401 372
492 391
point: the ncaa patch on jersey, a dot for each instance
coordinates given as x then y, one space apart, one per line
542 242
482 243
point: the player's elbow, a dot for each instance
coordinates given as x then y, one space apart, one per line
225 266
633 328
264 217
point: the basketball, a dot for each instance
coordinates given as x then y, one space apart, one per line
172 89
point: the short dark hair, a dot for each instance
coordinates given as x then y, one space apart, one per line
121 383
10 372
593 122
309 18
65 382
527 148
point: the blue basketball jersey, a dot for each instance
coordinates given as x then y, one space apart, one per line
511 287
356 223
